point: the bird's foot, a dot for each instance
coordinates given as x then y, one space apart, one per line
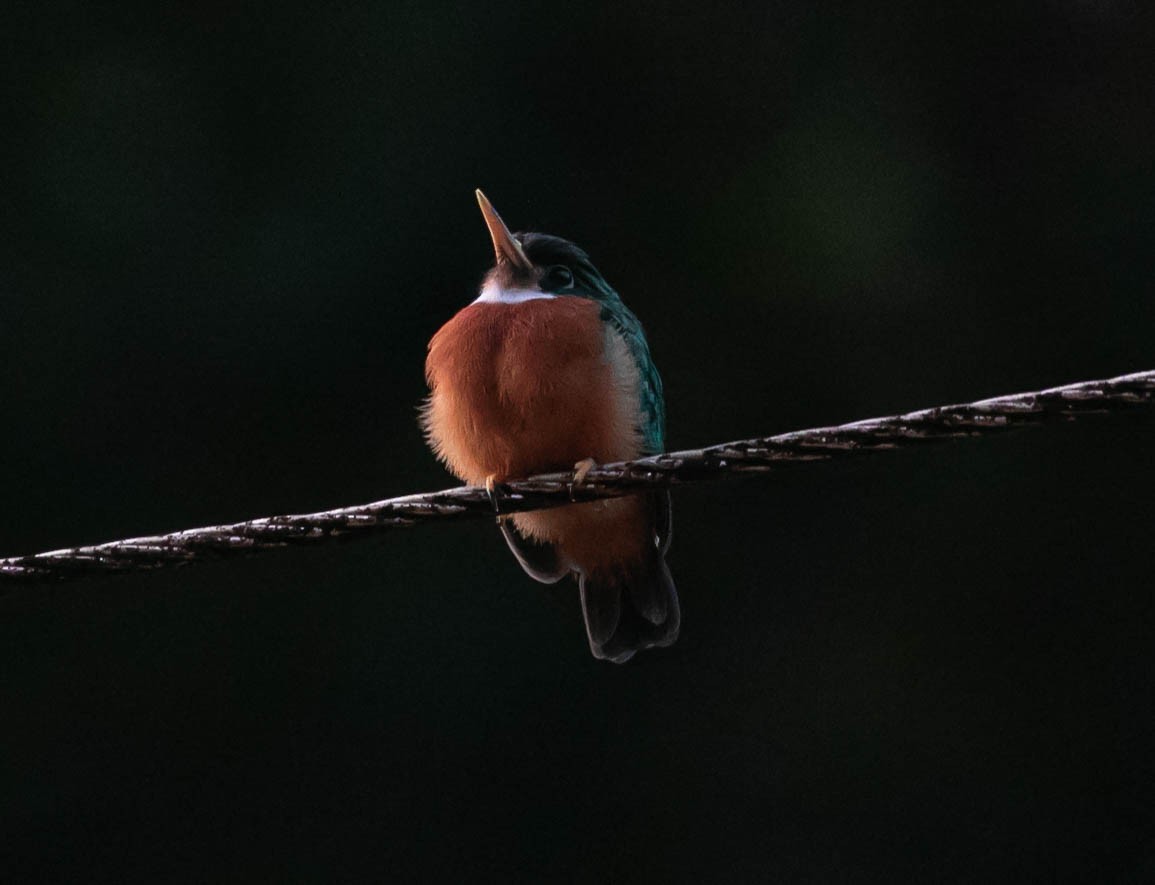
496 491
580 471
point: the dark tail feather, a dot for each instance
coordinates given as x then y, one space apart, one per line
631 612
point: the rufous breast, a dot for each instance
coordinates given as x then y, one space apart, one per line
527 387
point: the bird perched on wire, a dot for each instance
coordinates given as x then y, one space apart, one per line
548 370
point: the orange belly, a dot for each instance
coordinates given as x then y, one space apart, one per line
525 388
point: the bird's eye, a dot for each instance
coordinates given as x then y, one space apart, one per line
559 277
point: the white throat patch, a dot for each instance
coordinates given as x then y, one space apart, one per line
493 293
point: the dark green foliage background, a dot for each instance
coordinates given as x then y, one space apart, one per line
227 235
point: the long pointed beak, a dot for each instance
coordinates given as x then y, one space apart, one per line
505 247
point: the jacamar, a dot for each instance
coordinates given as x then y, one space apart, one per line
548 370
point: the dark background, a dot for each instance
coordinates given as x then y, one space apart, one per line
227 236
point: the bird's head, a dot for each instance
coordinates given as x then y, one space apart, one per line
534 265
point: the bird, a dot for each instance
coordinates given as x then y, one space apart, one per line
548 370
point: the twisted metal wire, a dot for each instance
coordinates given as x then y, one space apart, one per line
749 456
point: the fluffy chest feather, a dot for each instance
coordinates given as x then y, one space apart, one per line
519 388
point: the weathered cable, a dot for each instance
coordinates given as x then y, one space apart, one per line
608 480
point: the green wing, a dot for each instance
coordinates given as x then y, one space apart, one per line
653 403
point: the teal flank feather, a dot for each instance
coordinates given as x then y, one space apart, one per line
650 396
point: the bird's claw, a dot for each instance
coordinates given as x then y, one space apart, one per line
580 471
496 490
